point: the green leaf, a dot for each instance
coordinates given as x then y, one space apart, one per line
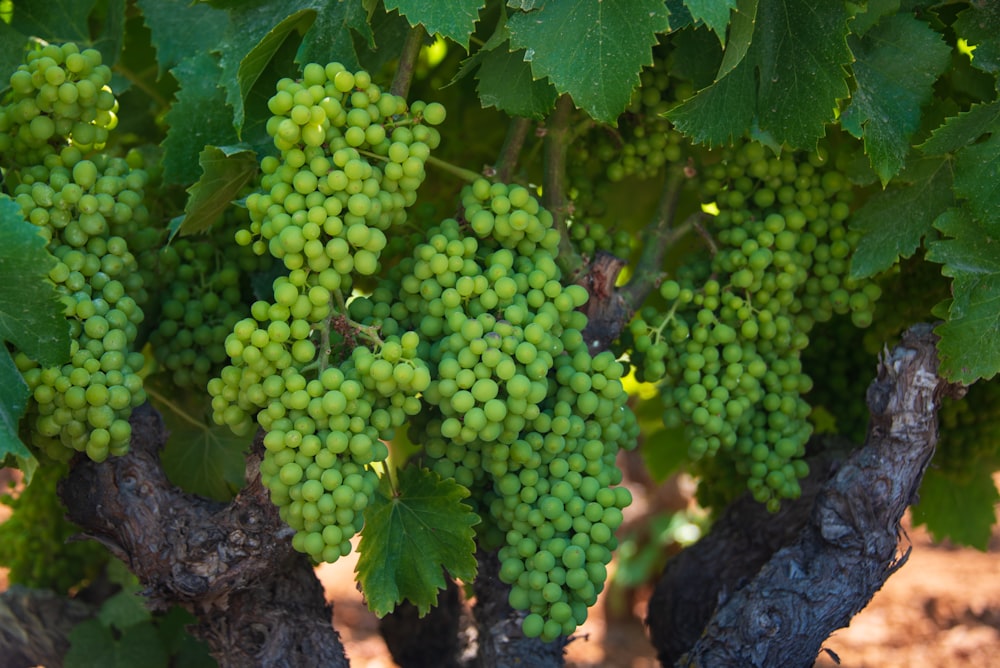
31 315
897 64
591 50
663 452
55 21
787 85
980 26
961 510
505 82
180 29
873 11
200 456
92 644
454 19
198 117
895 220
962 129
110 35
410 536
977 178
14 395
225 170
257 60
740 37
330 38
12 46
124 609
714 13
970 339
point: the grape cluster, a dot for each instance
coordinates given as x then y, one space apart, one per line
204 283
58 94
351 158
517 410
327 392
81 205
35 541
727 345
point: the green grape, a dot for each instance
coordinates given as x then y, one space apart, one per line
726 344
81 112
517 409
83 207
349 164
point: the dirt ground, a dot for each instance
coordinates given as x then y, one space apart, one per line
940 610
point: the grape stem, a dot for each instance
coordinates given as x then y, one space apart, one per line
177 410
407 61
660 234
517 133
140 79
460 172
554 184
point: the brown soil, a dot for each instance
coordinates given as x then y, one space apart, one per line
940 610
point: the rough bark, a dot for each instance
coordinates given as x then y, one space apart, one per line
743 538
257 601
431 641
35 626
850 544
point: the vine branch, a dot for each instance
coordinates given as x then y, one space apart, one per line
407 61
517 133
257 601
849 545
554 183
659 234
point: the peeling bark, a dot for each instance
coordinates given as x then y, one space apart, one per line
849 546
742 540
257 601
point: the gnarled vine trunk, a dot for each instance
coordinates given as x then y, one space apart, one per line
759 590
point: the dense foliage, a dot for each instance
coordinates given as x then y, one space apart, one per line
243 213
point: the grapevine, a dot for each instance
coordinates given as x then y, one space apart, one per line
411 282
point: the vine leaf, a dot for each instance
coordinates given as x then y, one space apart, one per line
897 64
714 13
14 395
895 221
962 510
591 50
257 59
410 536
31 315
505 82
979 24
225 170
200 456
65 21
787 85
454 19
970 339
179 29
962 129
330 37
977 178
198 117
